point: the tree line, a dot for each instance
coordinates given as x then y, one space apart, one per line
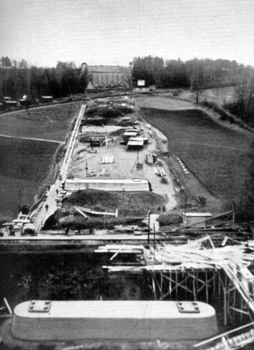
194 74
199 75
18 79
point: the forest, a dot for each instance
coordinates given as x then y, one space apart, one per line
194 74
18 79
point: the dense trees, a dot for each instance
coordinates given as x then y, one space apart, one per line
194 74
18 79
149 69
200 74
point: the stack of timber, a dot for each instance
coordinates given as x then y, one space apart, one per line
161 172
108 160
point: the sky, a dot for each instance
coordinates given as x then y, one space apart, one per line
44 32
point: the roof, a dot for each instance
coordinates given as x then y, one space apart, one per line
197 214
10 102
135 142
131 309
137 139
112 181
130 133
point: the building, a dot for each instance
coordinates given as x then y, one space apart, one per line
197 220
10 104
107 184
113 320
46 99
135 143
107 76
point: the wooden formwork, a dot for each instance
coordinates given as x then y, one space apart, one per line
209 284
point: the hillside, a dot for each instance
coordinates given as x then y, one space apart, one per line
218 156
27 165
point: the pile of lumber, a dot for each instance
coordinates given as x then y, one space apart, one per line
195 253
107 160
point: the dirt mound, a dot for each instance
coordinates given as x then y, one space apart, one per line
91 198
128 203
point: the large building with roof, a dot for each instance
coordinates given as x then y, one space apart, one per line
106 76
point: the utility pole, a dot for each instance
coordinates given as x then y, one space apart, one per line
233 215
19 199
148 237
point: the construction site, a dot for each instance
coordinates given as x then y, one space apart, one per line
117 196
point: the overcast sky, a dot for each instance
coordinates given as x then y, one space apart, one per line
115 31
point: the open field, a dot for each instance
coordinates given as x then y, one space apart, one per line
50 123
217 155
219 96
27 164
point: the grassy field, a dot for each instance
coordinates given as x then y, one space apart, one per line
26 165
217 155
50 123
218 95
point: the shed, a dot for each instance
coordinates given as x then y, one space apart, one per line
129 134
107 184
97 141
198 220
24 102
129 320
10 104
135 142
149 158
46 99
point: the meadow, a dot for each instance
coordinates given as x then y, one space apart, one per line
217 155
50 123
220 96
27 165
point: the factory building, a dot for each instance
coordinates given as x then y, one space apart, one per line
107 76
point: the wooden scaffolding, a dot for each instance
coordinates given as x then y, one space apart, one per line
211 285
197 271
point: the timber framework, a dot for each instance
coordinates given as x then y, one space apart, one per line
196 270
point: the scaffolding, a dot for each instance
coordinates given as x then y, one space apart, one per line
208 284
199 271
